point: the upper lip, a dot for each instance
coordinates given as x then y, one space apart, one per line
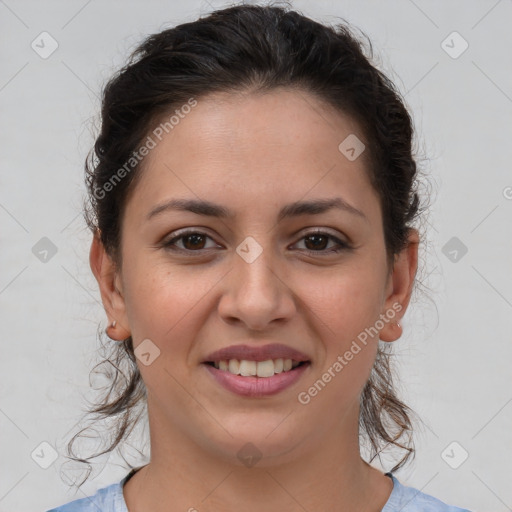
259 353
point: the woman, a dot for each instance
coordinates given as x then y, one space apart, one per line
252 200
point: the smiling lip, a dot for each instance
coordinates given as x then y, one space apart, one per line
257 386
259 353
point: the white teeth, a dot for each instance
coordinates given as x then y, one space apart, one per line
233 366
265 368
256 368
248 368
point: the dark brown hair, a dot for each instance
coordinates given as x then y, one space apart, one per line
252 48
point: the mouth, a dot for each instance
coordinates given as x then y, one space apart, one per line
262 369
256 378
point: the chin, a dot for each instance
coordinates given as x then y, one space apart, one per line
261 447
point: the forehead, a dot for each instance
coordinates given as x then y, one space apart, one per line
288 124
276 146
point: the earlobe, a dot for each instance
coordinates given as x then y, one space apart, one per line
400 287
106 275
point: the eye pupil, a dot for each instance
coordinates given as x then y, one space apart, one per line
319 241
196 241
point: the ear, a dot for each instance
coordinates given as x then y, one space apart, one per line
400 285
109 282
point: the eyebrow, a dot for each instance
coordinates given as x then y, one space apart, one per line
201 207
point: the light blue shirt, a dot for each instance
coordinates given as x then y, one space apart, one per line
402 499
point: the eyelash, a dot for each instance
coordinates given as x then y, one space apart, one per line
342 246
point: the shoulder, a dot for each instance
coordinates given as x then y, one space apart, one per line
107 499
409 499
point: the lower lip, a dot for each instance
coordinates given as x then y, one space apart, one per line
257 386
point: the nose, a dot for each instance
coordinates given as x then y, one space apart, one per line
255 294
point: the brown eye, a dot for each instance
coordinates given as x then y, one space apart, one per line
316 242
323 243
191 241
194 241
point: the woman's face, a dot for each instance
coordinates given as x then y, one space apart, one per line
258 274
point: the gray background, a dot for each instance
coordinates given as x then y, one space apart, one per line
455 356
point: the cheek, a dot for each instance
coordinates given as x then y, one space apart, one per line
161 302
346 306
346 301
343 318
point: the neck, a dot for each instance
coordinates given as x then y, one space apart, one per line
318 474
